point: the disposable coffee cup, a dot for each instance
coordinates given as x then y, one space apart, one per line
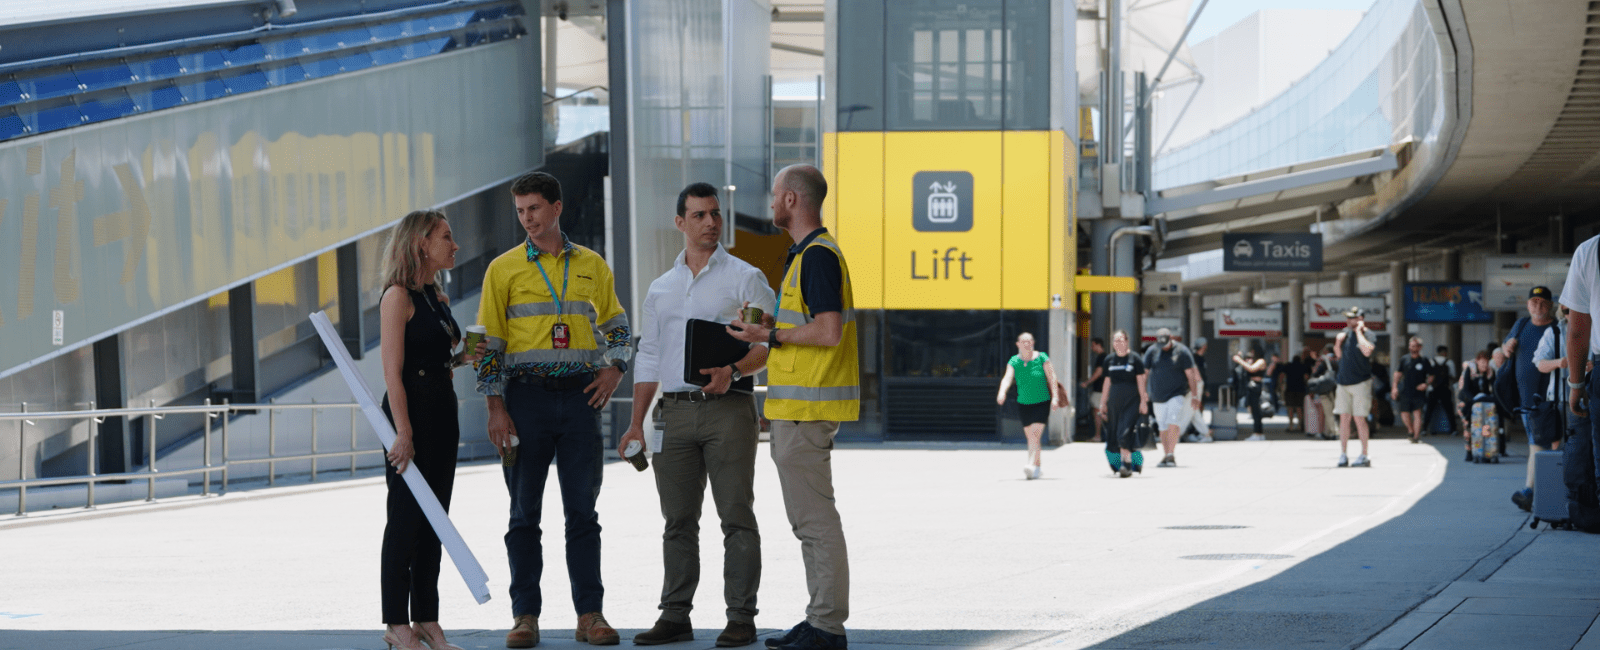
751 315
509 456
475 335
635 454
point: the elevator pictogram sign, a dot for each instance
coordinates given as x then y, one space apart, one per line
941 201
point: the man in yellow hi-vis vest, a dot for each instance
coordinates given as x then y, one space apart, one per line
813 384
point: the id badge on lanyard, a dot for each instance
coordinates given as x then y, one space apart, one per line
559 336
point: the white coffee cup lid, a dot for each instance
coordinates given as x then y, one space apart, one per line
477 328
633 448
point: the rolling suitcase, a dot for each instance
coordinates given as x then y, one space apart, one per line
1225 420
1549 489
1485 437
1316 421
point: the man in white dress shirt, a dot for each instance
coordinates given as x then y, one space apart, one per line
711 432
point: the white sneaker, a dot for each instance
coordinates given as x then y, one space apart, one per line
1344 461
1036 472
1257 438
1362 461
1207 438
1027 472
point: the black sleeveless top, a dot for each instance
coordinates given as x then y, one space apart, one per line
430 336
1354 367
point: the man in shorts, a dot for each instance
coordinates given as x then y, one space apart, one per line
1174 387
1413 374
1352 400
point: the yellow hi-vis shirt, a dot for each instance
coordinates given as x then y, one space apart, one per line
807 382
518 312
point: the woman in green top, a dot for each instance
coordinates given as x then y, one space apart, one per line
1036 395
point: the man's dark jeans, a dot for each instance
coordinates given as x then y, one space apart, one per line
557 425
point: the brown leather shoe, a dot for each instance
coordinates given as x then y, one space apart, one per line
594 630
524 632
737 634
665 631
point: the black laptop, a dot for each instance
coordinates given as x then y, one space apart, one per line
708 345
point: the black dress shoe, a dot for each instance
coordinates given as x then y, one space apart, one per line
665 631
737 634
790 636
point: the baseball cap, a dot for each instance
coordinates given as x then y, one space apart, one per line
1540 292
1353 312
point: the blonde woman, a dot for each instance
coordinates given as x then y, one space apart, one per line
1124 402
417 335
1037 395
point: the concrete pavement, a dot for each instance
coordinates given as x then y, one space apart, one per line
1244 545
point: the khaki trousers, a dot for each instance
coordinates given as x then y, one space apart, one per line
801 450
713 439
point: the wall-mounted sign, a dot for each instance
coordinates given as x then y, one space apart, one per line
1149 325
1507 279
1271 251
1446 302
1249 322
1159 283
1326 313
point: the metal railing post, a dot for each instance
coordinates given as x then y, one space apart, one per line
225 419
314 412
353 441
22 463
205 448
150 465
94 431
272 443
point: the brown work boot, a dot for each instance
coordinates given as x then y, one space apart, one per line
665 631
594 630
737 634
524 632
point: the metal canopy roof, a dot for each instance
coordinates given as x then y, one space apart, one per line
35 12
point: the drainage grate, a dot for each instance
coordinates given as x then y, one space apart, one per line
1203 527
1237 556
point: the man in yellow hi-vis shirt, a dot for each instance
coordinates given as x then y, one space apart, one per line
813 384
558 344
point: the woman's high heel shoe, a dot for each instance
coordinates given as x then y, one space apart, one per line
433 638
393 637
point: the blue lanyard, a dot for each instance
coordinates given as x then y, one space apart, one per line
565 268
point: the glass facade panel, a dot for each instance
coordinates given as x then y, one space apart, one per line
1380 87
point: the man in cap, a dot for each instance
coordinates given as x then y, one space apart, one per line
1352 400
1520 346
1413 374
1174 387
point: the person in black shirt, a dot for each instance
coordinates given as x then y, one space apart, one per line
1292 377
1097 348
1352 400
1125 400
1413 374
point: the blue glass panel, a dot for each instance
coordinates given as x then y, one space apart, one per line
492 13
59 116
319 68
447 22
387 55
105 76
107 107
245 83
11 126
284 48
336 40
10 93
354 61
164 67
413 26
429 47
389 31
206 61
45 86
514 10
287 74
245 55
205 89
159 98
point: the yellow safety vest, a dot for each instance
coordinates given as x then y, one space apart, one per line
807 382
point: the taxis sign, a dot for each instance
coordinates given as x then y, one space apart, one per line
1267 251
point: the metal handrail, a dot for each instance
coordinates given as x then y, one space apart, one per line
155 414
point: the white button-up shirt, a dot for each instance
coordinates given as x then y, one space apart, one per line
716 294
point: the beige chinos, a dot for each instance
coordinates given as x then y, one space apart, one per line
802 452
717 439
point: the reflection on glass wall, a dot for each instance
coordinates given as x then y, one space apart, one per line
957 343
944 65
1379 88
